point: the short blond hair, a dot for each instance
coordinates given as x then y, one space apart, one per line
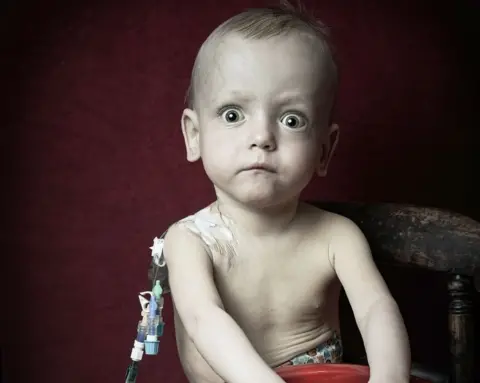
263 23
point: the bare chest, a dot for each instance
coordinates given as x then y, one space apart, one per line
276 284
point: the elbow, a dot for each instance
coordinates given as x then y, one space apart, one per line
197 321
384 307
192 323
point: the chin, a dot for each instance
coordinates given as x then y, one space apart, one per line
260 199
258 196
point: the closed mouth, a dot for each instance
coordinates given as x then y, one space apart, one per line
265 168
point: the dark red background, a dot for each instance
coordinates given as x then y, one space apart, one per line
94 164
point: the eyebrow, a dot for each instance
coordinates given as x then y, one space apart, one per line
235 95
292 97
282 99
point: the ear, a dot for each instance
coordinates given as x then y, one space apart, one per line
191 134
329 143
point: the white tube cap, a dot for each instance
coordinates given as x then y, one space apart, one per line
136 354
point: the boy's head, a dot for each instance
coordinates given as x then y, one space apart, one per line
259 105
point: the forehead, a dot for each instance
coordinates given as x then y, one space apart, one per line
291 64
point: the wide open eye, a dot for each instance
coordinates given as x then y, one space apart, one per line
293 121
232 115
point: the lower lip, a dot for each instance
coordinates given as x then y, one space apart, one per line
262 170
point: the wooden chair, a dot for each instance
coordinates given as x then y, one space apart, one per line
436 240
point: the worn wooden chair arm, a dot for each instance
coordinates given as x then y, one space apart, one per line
433 239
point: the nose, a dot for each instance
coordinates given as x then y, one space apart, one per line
263 137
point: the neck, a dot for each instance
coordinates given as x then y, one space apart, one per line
273 219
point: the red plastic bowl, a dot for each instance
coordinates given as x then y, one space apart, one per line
326 373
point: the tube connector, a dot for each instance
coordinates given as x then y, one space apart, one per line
137 351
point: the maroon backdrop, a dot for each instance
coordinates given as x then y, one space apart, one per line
95 167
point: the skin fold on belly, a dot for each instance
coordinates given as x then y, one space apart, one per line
279 345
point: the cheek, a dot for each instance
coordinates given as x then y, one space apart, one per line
216 147
302 156
217 155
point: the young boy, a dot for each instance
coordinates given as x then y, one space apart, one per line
255 276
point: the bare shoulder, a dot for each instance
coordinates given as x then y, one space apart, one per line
179 240
184 251
329 224
342 238
346 240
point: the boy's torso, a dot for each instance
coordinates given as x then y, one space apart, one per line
283 291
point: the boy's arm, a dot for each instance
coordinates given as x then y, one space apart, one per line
376 312
216 335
